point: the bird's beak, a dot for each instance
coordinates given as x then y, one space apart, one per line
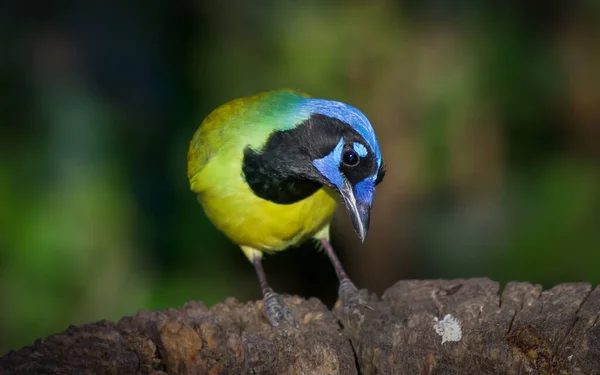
360 212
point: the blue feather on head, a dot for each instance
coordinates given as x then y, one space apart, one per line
356 177
348 114
329 165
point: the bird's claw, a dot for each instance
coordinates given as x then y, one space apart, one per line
278 313
351 298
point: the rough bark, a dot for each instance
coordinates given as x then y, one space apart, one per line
416 327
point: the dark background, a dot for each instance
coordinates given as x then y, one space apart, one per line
487 113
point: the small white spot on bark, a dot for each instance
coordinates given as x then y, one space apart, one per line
570 357
448 328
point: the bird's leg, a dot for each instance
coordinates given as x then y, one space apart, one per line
347 292
275 308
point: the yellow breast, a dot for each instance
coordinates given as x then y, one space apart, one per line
254 222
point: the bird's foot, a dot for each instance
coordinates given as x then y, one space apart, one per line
350 296
277 312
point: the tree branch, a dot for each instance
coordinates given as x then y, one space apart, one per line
416 327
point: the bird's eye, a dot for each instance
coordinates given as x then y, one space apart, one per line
350 158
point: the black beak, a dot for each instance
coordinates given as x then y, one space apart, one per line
360 213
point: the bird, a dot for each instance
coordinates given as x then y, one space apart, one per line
269 171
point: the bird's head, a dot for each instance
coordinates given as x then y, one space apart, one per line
330 143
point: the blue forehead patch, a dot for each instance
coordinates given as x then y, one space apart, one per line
365 189
348 114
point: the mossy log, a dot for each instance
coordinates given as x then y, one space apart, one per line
416 327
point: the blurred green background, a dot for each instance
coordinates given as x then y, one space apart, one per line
488 116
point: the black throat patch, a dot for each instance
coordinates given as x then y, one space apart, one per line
283 172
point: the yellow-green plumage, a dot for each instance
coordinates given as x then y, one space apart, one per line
268 170
215 172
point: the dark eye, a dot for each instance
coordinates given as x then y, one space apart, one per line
350 158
